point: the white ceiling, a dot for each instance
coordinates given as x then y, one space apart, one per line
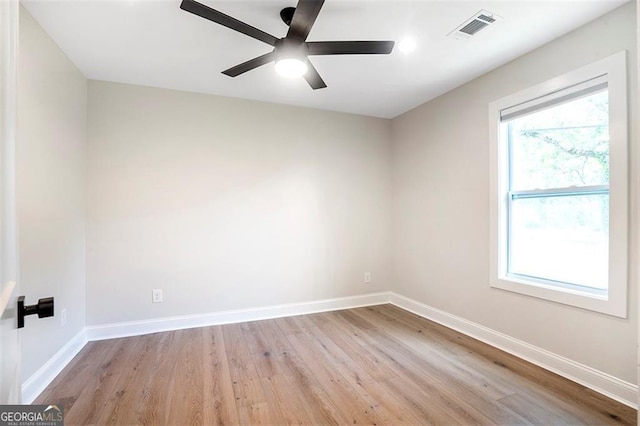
154 43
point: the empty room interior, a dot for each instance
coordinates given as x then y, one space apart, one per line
320 212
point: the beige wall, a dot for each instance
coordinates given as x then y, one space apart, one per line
50 179
441 206
228 204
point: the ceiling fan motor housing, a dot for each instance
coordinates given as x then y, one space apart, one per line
287 48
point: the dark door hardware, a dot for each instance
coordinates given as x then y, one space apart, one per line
44 309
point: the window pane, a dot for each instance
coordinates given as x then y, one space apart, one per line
565 145
561 238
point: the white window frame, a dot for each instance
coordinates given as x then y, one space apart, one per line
615 302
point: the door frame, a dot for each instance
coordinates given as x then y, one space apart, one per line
10 378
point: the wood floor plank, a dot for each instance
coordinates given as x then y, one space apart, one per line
470 412
255 414
374 393
330 351
373 365
256 343
446 364
472 391
357 409
541 385
187 396
285 401
336 331
538 414
154 404
265 357
246 382
444 399
219 403
129 389
317 404
65 391
100 393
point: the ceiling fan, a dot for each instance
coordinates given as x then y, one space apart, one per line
291 52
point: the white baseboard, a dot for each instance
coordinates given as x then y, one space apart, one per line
38 382
603 383
136 328
624 392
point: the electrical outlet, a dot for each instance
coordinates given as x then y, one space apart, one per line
156 296
367 277
63 317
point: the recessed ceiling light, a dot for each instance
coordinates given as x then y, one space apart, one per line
407 45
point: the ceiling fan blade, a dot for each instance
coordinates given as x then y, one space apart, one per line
350 47
250 64
225 20
304 18
313 78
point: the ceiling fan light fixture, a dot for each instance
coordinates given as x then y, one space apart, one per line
291 58
291 67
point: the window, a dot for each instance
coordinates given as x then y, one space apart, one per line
559 189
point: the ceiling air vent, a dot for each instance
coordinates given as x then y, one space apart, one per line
473 25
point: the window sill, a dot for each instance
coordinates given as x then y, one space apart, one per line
609 305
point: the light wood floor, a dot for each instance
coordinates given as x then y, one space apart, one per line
378 365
